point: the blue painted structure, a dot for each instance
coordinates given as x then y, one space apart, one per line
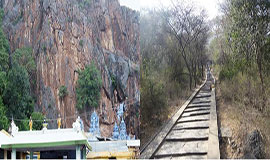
82 125
115 135
119 132
94 124
123 130
120 112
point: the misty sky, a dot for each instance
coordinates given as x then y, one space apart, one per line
211 6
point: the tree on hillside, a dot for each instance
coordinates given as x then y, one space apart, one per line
153 99
24 57
159 68
17 96
3 119
246 33
15 88
62 92
159 49
240 48
4 47
88 87
37 118
4 66
3 82
164 74
249 32
187 26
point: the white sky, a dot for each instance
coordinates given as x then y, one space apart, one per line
211 6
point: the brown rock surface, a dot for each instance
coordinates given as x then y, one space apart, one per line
65 36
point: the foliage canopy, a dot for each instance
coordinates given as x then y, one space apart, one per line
63 92
37 118
3 118
88 87
17 95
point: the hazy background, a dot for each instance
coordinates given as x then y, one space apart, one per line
211 6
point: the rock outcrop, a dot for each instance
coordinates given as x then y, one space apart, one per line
67 35
254 148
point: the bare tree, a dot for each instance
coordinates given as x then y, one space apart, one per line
187 27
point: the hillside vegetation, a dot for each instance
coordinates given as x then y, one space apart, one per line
173 49
17 85
240 51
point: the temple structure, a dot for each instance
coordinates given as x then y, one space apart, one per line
119 129
118 146
115 135
120 112
123 131
69 143
94 124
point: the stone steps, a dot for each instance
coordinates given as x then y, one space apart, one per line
193 133
189 136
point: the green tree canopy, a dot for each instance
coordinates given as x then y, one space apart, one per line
3 119
88 87
23 56
37 118
3 82
15 92
4 47
63 92
17 95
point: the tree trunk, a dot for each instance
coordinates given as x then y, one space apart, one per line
202 70
190 81
194 73
259 63
188 67
195 79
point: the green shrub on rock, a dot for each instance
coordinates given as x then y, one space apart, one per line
37 118
63 92
88 87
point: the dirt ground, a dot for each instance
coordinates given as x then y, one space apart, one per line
240 120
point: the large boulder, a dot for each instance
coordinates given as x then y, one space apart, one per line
254 146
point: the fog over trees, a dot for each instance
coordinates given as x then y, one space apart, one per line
174 54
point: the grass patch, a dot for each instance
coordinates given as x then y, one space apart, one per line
238 110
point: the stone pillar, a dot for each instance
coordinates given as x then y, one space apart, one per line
31 154
13 154
78 152
84 152
21 155
5 154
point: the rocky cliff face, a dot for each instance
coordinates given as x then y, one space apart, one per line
66 35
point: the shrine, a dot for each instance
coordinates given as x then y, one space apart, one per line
119 145
69 143
94 124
